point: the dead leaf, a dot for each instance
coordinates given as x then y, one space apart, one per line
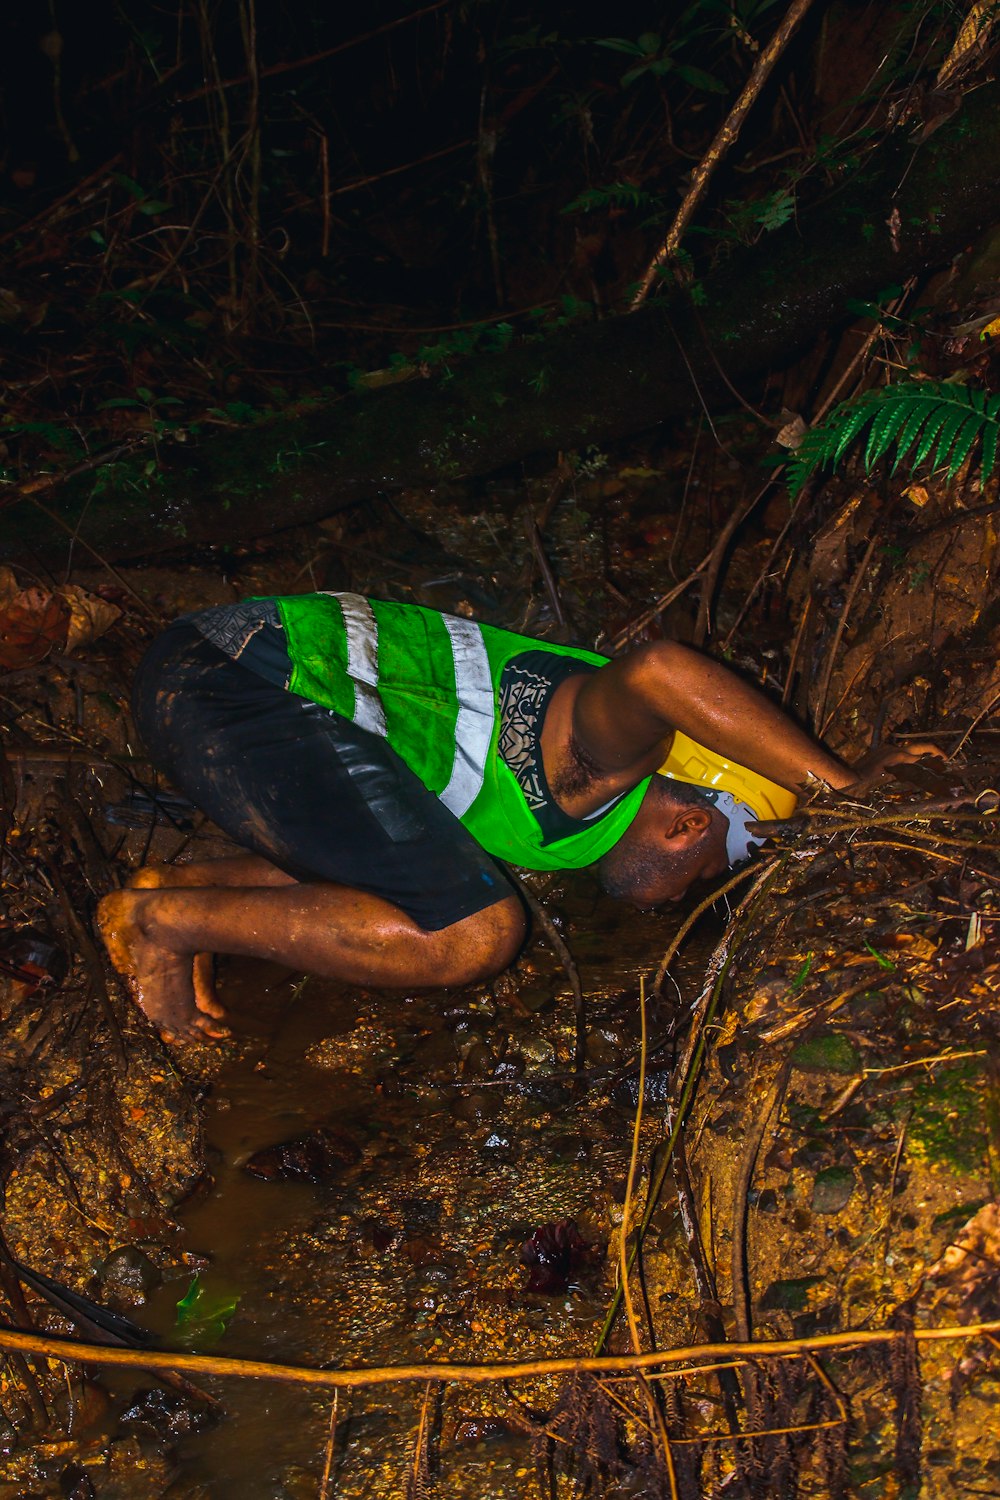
89 616
792 433
33 622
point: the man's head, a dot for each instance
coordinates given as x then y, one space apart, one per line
678 836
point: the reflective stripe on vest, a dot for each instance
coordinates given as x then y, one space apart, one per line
476 708
473 691
362 662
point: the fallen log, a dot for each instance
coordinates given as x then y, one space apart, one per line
914 206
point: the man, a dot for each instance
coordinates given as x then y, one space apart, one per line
372 757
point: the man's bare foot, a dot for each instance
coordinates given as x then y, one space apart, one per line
160 981
168 877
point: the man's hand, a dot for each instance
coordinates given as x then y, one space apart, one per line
888 758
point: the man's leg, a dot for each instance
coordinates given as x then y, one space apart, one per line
153 936
245 870
232 869
357 871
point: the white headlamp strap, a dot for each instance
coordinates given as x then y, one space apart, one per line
739 841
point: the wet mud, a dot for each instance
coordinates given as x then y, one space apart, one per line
444 1131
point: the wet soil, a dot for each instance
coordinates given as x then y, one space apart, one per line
841 1143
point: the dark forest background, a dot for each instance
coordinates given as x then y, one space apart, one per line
208 209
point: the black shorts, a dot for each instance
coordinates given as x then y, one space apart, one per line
310 791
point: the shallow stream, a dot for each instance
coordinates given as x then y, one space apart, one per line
467 1137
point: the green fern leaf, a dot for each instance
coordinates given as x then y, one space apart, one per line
936 420
939 421
965 440
917 414
990 436
884 428
855 421
953 423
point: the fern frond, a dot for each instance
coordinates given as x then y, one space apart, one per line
924 420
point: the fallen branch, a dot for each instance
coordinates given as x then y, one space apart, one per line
69 1350
725 137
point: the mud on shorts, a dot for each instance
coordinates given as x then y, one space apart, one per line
301 786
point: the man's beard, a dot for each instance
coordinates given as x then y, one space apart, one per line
634 870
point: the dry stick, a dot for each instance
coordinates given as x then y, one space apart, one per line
417 1484
804 493
75 538
664 602
568 962
716 558
686 926
852 593
741 1203
793 655
687 1072
32 487
623 1261
331 1440
704 1278
658 1426
350 187
977 720
11 1285
724 139
70 1350
315 57
545 568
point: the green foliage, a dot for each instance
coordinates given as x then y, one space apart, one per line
924 421
655 58
828 1052
203 1313
947 1124
617 195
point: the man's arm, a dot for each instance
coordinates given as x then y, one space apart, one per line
623 715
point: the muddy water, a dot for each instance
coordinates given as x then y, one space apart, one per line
468 1137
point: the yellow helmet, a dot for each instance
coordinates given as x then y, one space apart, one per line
741 795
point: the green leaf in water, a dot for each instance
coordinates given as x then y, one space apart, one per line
203 1313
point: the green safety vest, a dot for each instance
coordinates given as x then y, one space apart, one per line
428 683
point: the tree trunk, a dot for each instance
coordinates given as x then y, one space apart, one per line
912 208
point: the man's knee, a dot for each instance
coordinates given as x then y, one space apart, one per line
482 945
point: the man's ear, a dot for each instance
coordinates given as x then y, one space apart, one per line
687 825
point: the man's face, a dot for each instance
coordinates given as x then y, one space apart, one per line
656 860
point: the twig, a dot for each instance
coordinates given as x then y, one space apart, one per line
716 559
467 1374
324 1488
689 922
741 1201
75 537
664 602
561 947
350 187
418 1483
852 593
977 720
793 655
314 57
723 140
545 568
800 500
924 1062
688 1070
623 1261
